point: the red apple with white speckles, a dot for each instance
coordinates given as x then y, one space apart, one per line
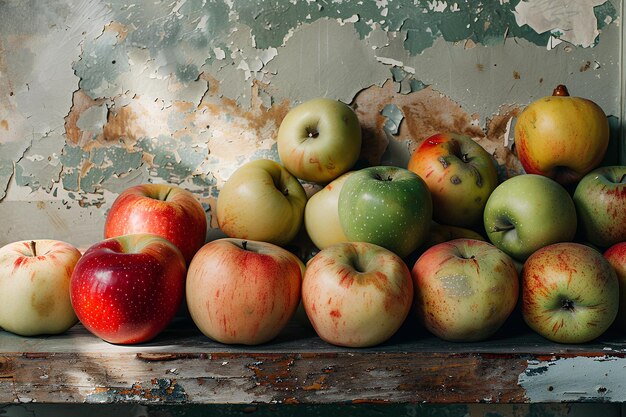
460 175
243 291
465 289
570 293
34 287
356 294
127 289
162 209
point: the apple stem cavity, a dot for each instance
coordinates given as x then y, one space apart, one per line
503 228
381 178
312 133
33 247
560 91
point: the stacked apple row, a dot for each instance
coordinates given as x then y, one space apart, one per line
441 237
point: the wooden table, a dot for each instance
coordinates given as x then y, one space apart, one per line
182 366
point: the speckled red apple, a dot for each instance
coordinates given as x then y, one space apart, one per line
127 289
162 209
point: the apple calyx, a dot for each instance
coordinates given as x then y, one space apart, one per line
567 304
560 91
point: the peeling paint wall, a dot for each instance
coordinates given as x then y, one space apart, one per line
100 95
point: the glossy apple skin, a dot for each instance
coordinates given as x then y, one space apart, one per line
388 206
34 288
570 293
465 289
537 210
261 201
243 292
356 294
600 199
561 137
460 175
162 209
319 140
321 214
616 255
127 289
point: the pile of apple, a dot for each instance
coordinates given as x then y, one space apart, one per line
442 239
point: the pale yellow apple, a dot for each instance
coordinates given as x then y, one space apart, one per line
321 215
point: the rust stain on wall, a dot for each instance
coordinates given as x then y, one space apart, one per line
426 112
80 102
123 125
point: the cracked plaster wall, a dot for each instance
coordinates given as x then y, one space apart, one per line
96 96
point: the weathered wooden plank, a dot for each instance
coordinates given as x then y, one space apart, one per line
184 367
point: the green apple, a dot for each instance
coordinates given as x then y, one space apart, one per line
527 212
460 175
261 201
570 293
388 206
600 199
321 215
319 140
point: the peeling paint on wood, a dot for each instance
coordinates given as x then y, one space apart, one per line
569 379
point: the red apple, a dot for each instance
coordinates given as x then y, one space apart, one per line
460 175
34 287
570 293
465 289
356 294
242 291
162 209
616 255
127 289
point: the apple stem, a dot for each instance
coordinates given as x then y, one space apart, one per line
560 90
465 158
622 178
33 247
167 194
503 228
244 245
